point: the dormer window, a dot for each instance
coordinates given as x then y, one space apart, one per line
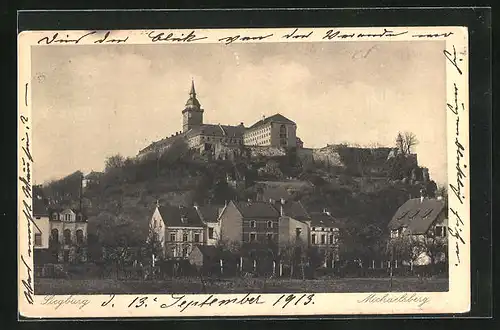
183 219
80 217
55 217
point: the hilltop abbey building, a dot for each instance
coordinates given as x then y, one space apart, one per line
273 131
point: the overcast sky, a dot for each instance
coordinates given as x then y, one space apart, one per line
92 101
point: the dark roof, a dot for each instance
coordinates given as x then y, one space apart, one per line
214 252
321 219
296 210
162 143
209 213
274 118
257 210
172 215
275 193
39 207
208 250
217 130
417 215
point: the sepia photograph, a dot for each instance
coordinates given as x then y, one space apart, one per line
243 165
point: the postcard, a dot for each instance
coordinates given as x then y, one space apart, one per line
243 172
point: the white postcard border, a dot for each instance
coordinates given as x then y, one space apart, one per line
456 300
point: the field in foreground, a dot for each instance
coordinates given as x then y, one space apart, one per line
45 286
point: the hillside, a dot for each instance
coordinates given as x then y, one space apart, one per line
121 201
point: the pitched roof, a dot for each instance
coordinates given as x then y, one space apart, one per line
257 210
208 250
172 216
417 215
163 143
274 118
208 213
217 130
296 211
321 219
275 193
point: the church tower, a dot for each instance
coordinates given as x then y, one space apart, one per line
192 115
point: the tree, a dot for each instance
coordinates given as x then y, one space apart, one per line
435 248
153 245
405 142
406 248
115 161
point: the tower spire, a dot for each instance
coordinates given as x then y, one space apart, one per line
193 91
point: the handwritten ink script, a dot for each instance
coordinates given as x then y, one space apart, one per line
25 178
391 299
57 38
182 302
458 109
179 37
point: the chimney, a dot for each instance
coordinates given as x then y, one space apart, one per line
282 211
271 201
440 198
422 195
249 200
325 211
282 201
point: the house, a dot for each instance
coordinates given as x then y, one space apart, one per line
178 229
324 234
249 222
68 234
209 215
59 232
42 224
423 220
294 223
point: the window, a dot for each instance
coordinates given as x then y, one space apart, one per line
196 238
313 228
172 237
38 239
394 233
210 233
269 236
174 252
253 224
67 236
80 217
313 238
184 237
79 236
253 237
67 217
269 224
331 239
54 235
298 231
55 217
323 239
440 231
66 255
185 251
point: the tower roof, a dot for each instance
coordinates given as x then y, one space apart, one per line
192 102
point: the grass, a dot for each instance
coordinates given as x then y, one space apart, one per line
236 285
